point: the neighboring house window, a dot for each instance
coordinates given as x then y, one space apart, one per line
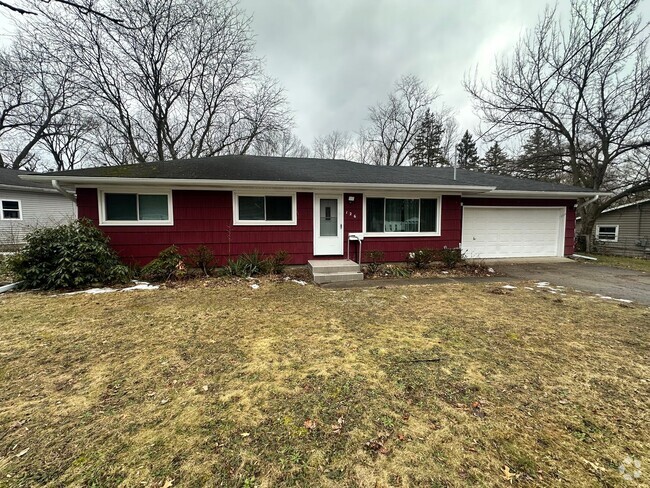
607 233
136 208
401 216
11 210
264 209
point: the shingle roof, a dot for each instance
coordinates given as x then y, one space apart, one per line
10 177
278 169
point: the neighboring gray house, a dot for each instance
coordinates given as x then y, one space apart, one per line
25 205
624 230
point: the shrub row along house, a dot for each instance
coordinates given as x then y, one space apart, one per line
316 208
26 205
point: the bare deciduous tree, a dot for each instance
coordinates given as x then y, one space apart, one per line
394 123
282 144
186 84
335 145
588 83
35 93
31 8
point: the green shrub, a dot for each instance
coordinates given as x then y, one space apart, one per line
375 258
420 258
451 257
276 263
202 258
168 265
73 255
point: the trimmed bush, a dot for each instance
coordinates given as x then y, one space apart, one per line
420 258
375 259
202 258
275 264
168 265
451 257
73 255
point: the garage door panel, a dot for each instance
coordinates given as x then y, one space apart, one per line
490 232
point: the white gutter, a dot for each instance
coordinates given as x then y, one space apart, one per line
68 195
542 194
195 182
27 188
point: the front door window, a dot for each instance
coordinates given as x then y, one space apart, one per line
328 217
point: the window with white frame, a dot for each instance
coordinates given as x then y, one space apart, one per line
607 233
11 210
250 209
402 216
131 208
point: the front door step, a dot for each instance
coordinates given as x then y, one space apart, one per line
334 270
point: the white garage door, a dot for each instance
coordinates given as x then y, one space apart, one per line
506 232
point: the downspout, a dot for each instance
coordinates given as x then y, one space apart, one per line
588 202
68 195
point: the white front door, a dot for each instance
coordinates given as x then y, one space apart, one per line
328 225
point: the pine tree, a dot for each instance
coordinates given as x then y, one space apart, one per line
427 149
495 160
541 158
466 153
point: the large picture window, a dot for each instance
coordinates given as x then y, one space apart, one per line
401 215
122 208
264 209
10 210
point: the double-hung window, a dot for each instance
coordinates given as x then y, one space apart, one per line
400 216
264 209
607 233
130 208
10 210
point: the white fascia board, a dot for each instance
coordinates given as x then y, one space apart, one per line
545 194
80 181
28 188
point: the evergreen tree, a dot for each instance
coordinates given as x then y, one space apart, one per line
427 149
541 158
466 153
495 160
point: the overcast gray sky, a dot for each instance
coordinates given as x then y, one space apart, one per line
337 57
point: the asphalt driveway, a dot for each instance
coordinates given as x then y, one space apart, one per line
613 282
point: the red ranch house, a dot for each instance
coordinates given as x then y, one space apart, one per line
316 209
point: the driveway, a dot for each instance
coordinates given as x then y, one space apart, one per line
613 282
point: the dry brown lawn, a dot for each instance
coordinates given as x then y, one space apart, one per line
288 385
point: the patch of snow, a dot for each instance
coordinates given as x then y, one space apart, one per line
490 270
445 272
300 282
528 288
142 285
255 286
92 291
541 284
623 300
509 287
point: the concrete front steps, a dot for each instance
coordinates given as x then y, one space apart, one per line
334 270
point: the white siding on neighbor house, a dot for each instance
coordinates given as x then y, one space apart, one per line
38 209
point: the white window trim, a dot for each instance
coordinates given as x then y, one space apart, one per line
235 208
607 225
20 209
405 196
134 223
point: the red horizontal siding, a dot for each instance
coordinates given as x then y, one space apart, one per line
569 231
205 217
395 249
